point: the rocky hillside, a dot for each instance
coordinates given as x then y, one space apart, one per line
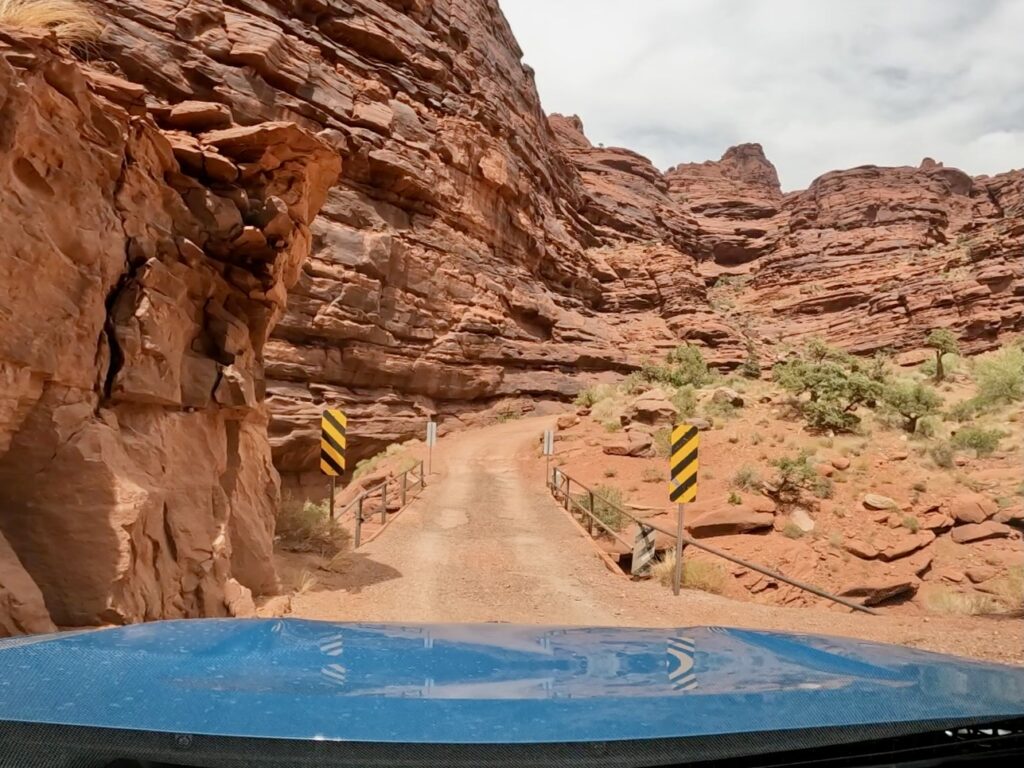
472 256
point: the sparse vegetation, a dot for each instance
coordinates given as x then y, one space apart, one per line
942 454
394 452
683 367
607 505
663 442
795 474
735 499
307 527
911 523
983 441
792 531
751 367
943 342
652 475
610 472
939 599
69 20
746 478
697 574
685 400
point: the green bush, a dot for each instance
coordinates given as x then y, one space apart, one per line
942 454
984 441
911 400
963 411
751 367
795 474
685 401
663 442
689 367
607 505
1000 376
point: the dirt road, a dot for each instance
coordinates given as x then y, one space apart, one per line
485 542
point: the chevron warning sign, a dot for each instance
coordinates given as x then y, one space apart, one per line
682 486
332 442
643 550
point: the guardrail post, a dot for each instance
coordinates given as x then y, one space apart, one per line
423 477
359 520
384 503
590 519
405 478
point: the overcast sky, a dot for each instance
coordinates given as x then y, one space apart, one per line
822 84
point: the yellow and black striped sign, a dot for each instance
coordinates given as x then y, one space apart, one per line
332 442
682 485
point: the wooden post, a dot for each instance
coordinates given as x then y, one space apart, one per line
334 485
359 520
384 503
677 577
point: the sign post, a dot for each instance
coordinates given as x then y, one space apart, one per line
333 441
549 451
682 486
431 442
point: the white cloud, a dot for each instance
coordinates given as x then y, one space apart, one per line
822 84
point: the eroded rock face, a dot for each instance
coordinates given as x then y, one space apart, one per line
140 273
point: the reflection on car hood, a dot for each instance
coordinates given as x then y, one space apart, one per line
487 683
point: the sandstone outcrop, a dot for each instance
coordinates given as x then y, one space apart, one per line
140 273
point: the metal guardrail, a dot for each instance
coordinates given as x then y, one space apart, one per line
560 484
357 504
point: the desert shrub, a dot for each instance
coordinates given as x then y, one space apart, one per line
746 478
393 451
942 454
793 531
508 413
983 441
685 400
591 396
1000 376
607 505
684 366
697 574
722 409
823 487
634 384
911 523
927 428
307 527
795 474
938 599
911 400
652 475
751 367
663 442
610 472
69 20
943 342
963 411
735 499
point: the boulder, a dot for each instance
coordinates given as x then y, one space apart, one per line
238 600
981 573
860 549
875 590
1012 515
965 534
907 544
702 425
876 501
568 421
725 395
936 521
652 407
728 520
840 462
824 470
950 574
631 443
971 508
22 610
801 519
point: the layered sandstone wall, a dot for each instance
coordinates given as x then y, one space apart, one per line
141 271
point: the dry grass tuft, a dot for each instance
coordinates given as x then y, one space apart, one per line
307 527
70 20
697 574
950 601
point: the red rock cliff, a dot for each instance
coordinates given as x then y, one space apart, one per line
140 273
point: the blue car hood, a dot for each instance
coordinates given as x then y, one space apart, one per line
482 684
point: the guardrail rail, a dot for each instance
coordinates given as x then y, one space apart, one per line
357 506
560 485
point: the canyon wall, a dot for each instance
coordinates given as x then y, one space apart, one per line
141 271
